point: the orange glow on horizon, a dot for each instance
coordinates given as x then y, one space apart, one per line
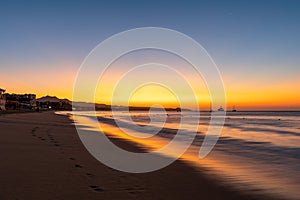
245 95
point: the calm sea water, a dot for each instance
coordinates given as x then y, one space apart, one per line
257 151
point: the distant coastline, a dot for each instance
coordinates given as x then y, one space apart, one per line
15 103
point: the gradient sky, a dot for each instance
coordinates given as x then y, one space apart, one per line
255 44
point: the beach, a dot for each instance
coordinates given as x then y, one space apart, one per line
42 157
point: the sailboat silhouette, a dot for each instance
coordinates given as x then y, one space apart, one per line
234 109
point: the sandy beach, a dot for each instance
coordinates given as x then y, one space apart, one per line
42 157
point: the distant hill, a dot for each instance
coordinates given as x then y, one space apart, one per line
84 106
53 99
90 106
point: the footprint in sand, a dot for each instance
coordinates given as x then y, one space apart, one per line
90 175
78 166
135 190
56 143
96 188
33 131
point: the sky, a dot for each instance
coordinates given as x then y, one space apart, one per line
255 44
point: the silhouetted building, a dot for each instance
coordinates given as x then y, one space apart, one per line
54 103
2 100
20 101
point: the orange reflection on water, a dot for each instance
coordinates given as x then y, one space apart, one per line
241 172
152 143
238 172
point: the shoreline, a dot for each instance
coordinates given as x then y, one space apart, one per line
43 158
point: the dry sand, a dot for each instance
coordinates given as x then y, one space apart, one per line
42 157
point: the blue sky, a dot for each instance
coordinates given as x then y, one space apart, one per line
247 39
234 32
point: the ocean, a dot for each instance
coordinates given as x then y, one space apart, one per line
256 152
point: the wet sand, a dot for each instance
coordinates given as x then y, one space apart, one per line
42 157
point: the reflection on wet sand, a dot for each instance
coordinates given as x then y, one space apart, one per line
252 161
